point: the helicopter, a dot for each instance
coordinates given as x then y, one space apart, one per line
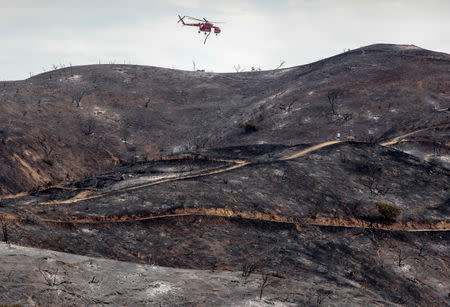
204 25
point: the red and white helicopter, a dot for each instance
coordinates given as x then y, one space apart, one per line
204 26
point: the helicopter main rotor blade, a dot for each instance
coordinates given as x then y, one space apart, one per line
212 22
194 18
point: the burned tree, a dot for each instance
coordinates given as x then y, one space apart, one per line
50 274
401 253
78 90
77 96
47 149
281 64
374 182
238 68
147 102
333 96
4 226
265 281
248 268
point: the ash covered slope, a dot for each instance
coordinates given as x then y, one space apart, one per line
67 124
37 277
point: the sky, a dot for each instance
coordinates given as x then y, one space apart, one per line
40 34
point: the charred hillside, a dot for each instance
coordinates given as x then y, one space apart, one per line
240 176
71 123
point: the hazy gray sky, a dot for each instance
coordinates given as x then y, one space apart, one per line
37 34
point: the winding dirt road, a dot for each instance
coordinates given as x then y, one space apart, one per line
85 195
276 218
401 137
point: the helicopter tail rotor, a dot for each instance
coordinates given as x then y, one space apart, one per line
181 19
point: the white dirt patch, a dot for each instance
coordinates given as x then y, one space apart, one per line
74 78
158 288
282 71
280 125
178 149
89 231
99 111
371 131
140 180
405 268
278 172
306 120
432 102
372 116
256 302
445 158
167 169
299 107
269 102
408 47
105 114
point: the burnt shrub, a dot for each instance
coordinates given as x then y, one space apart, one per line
249 127
248 268
388 212
4 231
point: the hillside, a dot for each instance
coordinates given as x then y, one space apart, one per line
85 281
240 173
68 124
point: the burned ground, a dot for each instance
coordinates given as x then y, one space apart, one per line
235 171
391 265
262 215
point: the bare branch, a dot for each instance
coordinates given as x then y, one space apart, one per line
281 64
266 280
332 96
46 147
77 96
238 68
248 268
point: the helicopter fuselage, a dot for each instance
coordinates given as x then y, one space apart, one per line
205 27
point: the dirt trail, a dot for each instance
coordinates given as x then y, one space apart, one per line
12 196
88 195
237 164
400 137
410 226
308 150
